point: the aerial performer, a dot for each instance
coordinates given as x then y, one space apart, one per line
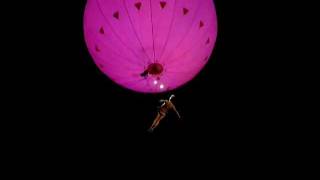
164 108
150 46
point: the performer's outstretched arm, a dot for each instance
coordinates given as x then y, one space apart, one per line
172 96
175 110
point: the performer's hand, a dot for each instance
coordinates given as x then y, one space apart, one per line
172 96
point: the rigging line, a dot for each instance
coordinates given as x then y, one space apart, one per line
170 29
198 46
134 29
186 34
95 56
154 52
116 53
114 32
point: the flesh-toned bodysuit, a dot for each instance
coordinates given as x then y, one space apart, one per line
165 107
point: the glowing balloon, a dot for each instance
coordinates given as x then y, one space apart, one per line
150 46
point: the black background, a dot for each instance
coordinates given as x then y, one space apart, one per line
214 102
231 106
240 115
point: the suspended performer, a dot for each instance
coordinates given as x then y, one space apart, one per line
164 108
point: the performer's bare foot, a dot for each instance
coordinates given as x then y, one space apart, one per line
150 130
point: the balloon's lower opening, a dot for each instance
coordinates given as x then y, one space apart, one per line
155 69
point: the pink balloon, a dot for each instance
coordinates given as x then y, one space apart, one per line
150 46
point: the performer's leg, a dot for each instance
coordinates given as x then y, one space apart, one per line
156 121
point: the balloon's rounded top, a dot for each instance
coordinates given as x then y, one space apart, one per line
150 46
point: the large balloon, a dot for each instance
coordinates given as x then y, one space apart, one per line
150 46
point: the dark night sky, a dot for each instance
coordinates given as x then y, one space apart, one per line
240 110
227 104
220 102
